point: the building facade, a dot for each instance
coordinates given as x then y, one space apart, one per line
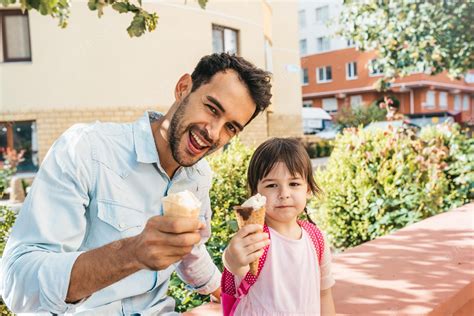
52 78
335 74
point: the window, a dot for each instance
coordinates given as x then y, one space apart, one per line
374 70
330 105
443 100
351 70
430 99
308 104
14 36
356 101
465 103
457 102
224 40
303 47
322 14
324 74
304 76
323 44
350 43
20 136
302 18
268 55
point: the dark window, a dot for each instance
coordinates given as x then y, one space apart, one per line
224 39
20 136
14 36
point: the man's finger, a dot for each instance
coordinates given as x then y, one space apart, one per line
176 225
182 240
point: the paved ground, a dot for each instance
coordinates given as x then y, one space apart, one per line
319 162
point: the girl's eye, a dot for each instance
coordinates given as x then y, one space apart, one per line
271 185
295 184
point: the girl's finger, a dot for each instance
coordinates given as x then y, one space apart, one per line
248 230
254 238
254 256
257 246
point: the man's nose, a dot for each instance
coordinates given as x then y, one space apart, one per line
214 130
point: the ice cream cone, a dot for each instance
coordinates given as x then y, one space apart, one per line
182 204
246 216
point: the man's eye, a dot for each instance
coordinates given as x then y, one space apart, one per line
231 128
212 109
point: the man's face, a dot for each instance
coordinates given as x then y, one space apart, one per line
209 117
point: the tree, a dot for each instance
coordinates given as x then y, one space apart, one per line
360 115
430 36
60 9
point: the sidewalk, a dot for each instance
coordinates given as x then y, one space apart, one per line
319 162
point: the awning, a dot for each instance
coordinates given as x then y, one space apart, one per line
315 114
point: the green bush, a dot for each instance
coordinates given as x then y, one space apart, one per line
379 181
459 163
320 148
7 218
229 188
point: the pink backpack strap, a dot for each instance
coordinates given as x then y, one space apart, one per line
228 282
316 237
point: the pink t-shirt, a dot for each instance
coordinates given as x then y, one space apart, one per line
290 281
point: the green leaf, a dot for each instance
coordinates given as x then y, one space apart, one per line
202 3
121 7
137 27
92 4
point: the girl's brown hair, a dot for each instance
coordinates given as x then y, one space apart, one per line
291 152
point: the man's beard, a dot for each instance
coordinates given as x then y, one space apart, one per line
176 131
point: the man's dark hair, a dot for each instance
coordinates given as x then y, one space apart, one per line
256 79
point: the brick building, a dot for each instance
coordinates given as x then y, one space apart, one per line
335 74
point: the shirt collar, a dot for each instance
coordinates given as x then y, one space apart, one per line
145 147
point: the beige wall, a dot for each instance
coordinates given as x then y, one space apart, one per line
92 68
94 62
285 120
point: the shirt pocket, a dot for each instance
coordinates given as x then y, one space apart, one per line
124 220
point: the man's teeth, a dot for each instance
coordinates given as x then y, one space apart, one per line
198 140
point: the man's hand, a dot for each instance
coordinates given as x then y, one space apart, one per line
166 240
246 246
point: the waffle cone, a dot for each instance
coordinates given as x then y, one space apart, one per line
173 209
246 216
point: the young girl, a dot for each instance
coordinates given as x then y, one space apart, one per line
294 275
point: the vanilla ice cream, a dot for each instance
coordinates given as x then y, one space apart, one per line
256 201
181 204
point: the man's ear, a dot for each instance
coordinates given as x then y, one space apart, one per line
183 87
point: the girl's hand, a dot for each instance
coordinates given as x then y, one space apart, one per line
246 246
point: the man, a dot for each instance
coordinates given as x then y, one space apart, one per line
90 239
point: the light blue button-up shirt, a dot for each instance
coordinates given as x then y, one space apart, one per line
97 184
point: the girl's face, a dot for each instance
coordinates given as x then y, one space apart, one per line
286 194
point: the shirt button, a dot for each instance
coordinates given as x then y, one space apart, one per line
121 225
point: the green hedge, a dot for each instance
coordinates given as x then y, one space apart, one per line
321 148
379 181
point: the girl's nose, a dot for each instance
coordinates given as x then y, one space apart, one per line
284 194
